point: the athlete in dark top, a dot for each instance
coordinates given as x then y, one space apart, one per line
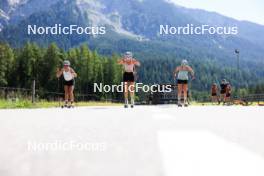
228 93
223 86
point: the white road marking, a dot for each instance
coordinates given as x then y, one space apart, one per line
131 139
201 153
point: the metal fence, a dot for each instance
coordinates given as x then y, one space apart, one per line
14 94
33 95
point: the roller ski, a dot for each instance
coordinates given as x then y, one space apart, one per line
64 106
71 106
132 105
126 104
67 106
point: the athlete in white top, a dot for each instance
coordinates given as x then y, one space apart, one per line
182 75
68 81
129 64
68 75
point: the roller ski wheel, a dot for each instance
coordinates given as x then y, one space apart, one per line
125 106
71 106
132 106
64 106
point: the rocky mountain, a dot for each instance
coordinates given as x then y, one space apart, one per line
131 25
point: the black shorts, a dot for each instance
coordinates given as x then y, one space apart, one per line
228 95
128 77
182 81
223 92
214 94
68 83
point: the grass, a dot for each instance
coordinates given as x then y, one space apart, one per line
27 104
210 104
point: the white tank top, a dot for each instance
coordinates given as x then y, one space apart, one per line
68 76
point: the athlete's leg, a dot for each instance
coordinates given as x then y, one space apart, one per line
71 95
222 98
179 93
66 94
132 92
126 93
185 90
225 98
218 99
214 99
228 99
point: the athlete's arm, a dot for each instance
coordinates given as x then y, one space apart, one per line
230 89
59 72
121 61
136 62
191 71
73 73
176 71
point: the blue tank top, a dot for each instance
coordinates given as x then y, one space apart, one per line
183 75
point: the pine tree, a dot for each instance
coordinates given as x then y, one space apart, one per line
6 63
49 65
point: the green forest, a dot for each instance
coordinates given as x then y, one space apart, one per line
20 66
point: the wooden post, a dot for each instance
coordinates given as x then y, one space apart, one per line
33 91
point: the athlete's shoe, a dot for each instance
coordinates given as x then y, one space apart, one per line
64 106
179 105
125 106
71 106
186 105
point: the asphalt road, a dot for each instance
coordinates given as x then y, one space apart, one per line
144 141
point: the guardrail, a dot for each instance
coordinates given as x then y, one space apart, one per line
250 99
15 94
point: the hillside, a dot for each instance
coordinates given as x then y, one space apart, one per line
134 25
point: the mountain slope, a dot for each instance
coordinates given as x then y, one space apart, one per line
134 25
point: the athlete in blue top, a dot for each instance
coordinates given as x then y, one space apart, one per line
181 73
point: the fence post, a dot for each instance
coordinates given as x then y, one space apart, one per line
33 91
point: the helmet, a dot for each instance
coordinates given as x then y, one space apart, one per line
66 63
224 80
184 62
128 54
